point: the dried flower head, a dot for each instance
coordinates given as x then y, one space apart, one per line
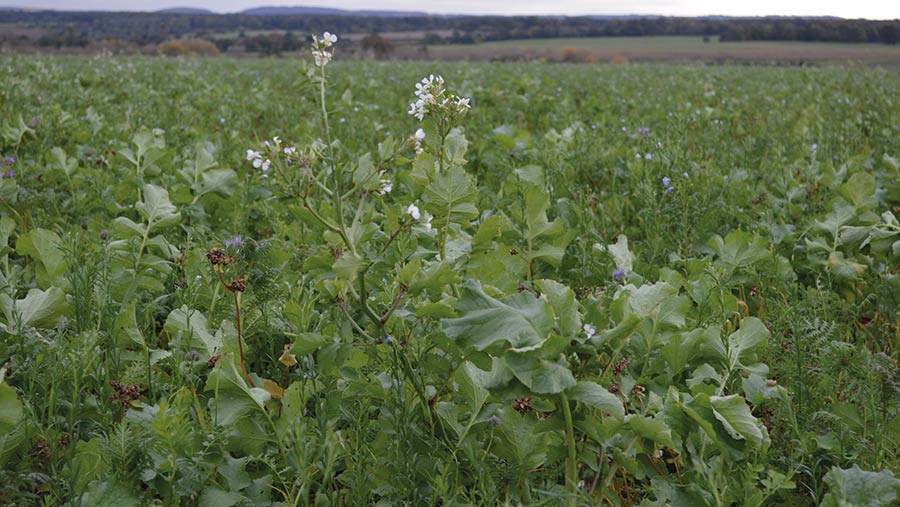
287 358
238 285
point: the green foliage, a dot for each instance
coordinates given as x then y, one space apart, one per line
516 312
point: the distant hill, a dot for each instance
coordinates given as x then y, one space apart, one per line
327 11
185 10
8 8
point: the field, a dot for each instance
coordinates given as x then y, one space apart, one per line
675 48
264 282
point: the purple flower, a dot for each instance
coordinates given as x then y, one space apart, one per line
618 275
666 181
9 160
815 147
685 174
670 190
235 242
648 156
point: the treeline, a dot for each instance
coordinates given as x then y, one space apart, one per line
79 28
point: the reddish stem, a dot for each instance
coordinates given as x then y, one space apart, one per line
237 311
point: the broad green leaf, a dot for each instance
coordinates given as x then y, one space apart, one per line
490 229
596 396
854 487
349 265
739 249
518 441
537 202
652 429
539 375
449 414
68 165
522 320
433 277
10 418
644 301
40 309
220 181
734 414
110 492
307 343
192 324
565 307
234 399
860 191
469 388
127 227
621 255
749 337
450 198
44 246
215 497
90 462
365 176
156 208
455 147
498 375
841 215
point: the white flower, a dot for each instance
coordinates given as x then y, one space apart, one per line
385 184
329 38
253 155
257 163
277 140
590 330
265 165
413 211
321 57
462 104
418 136
426 221
290 150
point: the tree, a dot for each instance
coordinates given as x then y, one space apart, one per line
377 45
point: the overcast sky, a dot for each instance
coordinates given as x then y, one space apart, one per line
872 9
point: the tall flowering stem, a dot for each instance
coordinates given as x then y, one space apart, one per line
218 258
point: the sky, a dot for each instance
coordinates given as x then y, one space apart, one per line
871 9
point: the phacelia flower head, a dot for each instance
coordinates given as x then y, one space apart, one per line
235 242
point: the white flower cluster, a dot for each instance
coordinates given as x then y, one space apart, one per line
262 159
423 218
431 97
259 162
320 51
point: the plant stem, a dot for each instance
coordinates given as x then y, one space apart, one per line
571 463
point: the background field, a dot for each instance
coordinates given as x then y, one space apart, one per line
674 49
